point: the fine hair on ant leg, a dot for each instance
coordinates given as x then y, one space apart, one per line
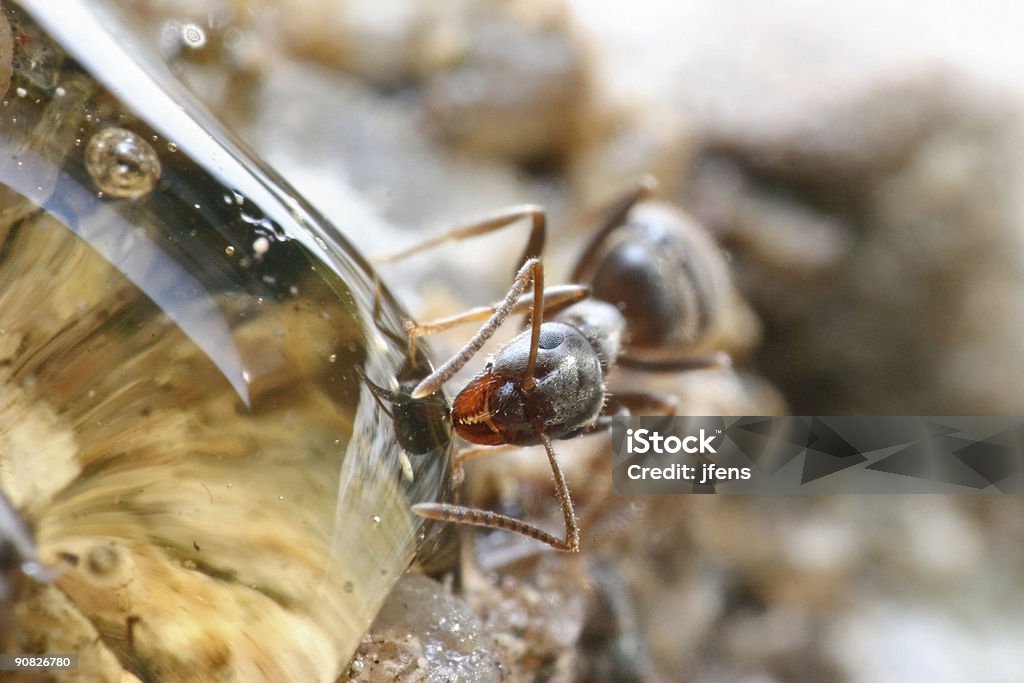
483 226
494 520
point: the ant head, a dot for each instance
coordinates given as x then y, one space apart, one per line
494 408
664 273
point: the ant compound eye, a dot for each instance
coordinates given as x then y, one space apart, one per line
183 416
550 338
556 343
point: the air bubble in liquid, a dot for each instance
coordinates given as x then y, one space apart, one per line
121 163
193 36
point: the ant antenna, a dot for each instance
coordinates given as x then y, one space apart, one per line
531 270
536 318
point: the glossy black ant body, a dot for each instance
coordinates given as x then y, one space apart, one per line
669 279
653 306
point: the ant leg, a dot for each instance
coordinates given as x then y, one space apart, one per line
558 297
620 405
493 520
459 459
642 403
633 403
531 271
483 226
614 217
377 315
714 361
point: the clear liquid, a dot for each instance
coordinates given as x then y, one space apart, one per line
181 419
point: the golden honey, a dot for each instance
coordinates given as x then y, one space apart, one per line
184 424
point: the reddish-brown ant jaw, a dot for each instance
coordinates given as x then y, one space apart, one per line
471 412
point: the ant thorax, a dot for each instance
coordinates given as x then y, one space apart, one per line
602 324
568 396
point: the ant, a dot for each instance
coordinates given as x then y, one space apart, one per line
648 293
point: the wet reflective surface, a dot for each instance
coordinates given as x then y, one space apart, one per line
184 422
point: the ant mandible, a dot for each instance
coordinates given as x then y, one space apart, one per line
654 300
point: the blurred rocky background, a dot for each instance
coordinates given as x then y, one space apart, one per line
860 162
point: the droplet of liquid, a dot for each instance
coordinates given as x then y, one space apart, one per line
121 163
164 384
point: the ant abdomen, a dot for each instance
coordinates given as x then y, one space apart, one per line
495 408
671 283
